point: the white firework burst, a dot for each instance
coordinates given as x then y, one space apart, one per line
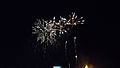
48 30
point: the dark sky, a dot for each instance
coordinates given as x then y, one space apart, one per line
99 38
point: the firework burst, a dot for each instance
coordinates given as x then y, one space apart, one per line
47 31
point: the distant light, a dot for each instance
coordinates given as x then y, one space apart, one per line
57 67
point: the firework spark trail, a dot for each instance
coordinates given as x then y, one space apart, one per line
66 48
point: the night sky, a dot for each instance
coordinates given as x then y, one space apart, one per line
98 37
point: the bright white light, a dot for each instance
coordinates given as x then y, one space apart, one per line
53 18
76 56
62 32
